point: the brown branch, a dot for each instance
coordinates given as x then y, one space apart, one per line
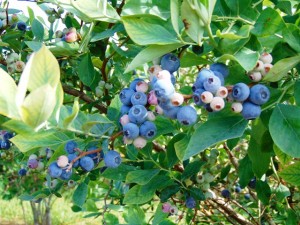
71 91
186 97
232 159
158 148
119 10
219 203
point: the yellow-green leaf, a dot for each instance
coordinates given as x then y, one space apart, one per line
38 106
8 89
74 114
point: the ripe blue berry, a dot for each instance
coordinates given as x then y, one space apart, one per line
252 183
201 77
133 83
137 114
187 115
237 189
212 84
221 68
130 130
197 97
22 172
112 159
250 111
7 135
198 50
70 147
240 92
65 175
54 171
170 62
86 163
21 26
163 88
225 193
125 96
71 157
139 98
220 76
259 94
247 196
5 144
125 109
190 202
172 112
148 130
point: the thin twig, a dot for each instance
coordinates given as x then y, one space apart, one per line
232 159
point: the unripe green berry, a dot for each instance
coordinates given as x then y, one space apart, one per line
51 19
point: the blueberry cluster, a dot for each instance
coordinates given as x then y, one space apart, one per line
99 90
169 102
54 14
263 66
12 21
137 121
209 90
68 35
4 139
248 101
14 64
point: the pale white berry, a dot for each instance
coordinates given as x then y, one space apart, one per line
62 161
154 70
71 183
222 92
208 177
205 186
142 86
266 57
210 194
164 75
159 110
173 210
127 141
177 99
268 67
40 166
217 104
53 183
150 116
124 119
207 96
259 66
255 76
237 107
139 142
32 156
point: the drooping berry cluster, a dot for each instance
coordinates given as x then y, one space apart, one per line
4 139
14 64
169 102
209 90
68 35
137 121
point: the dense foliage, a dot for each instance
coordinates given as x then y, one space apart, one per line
154 112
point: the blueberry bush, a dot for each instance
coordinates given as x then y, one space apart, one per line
154 112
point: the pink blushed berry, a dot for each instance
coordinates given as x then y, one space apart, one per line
139 142
266 57
207 96
124 119
142 86
255 76
217 104
259 66
222 92
62 161
166 207
150 116
154 70
177 99
19 66
237 107
152 99
71 37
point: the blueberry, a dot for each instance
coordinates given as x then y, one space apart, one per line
225 193
250 111
65 175
163 88
190 202
173 79
21 26
130 130
125 96
197 96
125 109
70 147
198 50
86 163
95 156
187 115
54 171
22 172
259 94
32 163
220 76
5 144
148 130
201 77
221 68
172 112
8 135
133 83
165 103
208 108
170 62
237 189
112 159
252 183
247 196
240 92
71 157
137 114
139 98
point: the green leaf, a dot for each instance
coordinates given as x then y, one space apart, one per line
38 106
163 125
243 32
291 34
197 193
181 147
214 131
225 171
297 92
18 126
169 191
80 194
284 159
51 139
135 196
118 173
37 30
111 219
189 59
67 121
107 33
284 128
263 191
260 148
268 23
150 53
245 57
191 169
143 8
281 68
291 174
282 192
194 26
62 49
159 215
171 153
142 32
175 18
86 71
245 171
8 90
136 216
34 45
238 6
285 6
141 177
90 10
